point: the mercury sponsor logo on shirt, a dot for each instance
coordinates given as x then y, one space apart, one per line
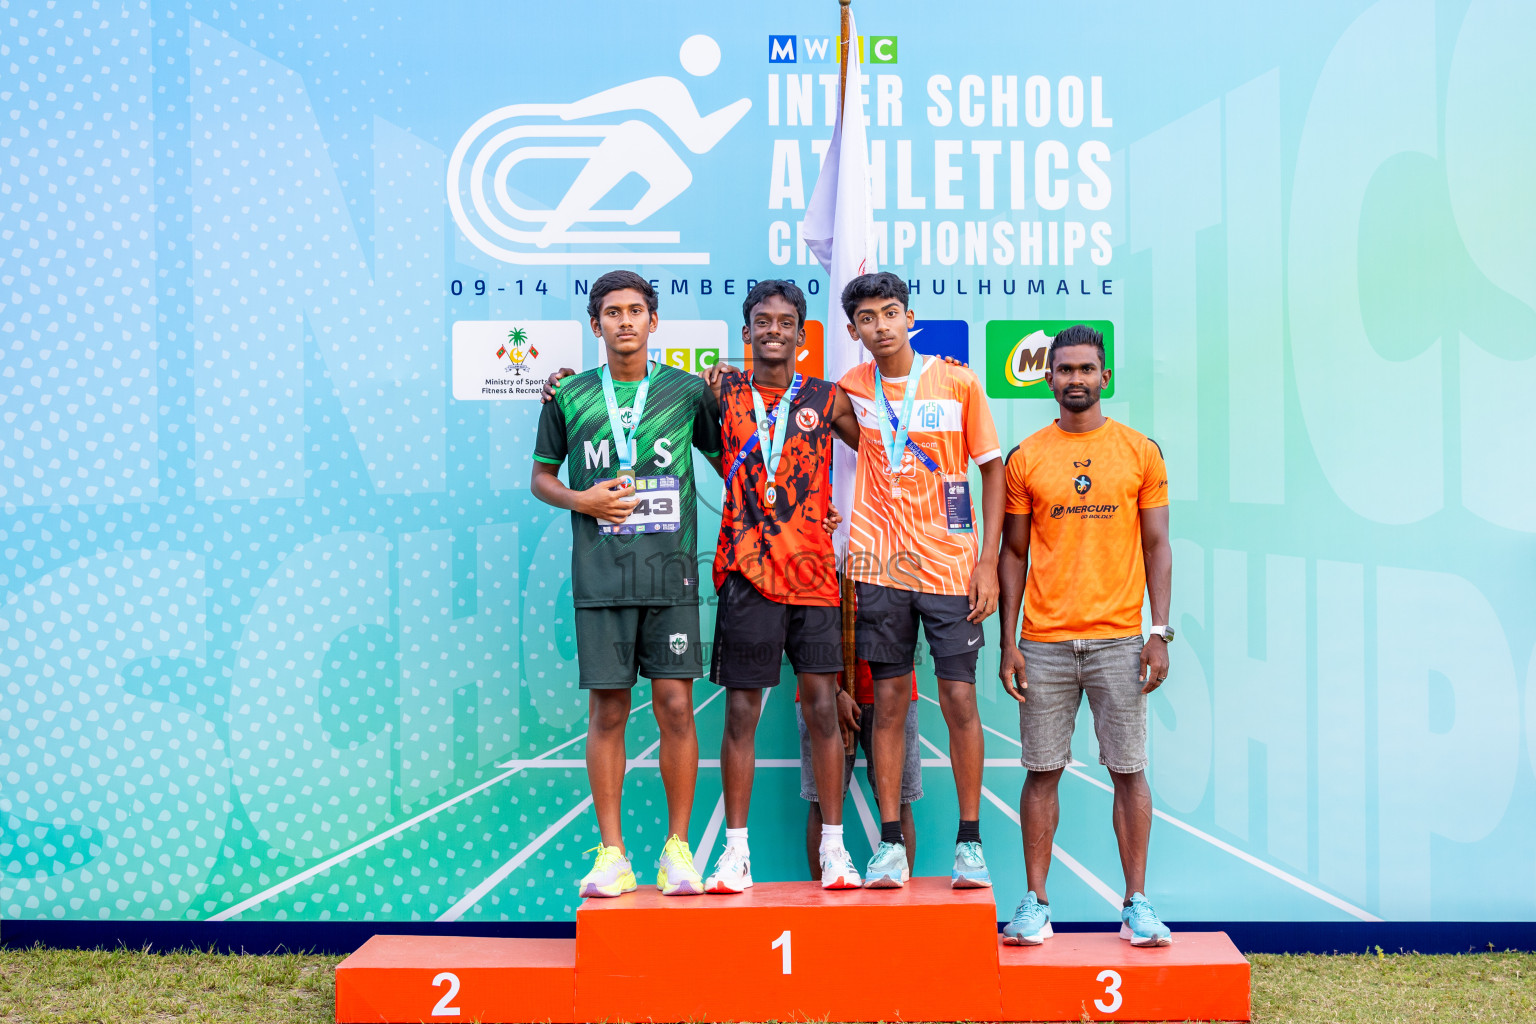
1085 511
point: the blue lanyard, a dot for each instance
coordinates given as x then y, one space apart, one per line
893 431
764 423
626 441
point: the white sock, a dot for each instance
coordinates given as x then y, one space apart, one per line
737 837
831 837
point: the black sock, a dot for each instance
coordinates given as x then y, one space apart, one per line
890 832
970 831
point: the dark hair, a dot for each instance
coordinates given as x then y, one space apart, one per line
765 290
618 280
873 286
1077 334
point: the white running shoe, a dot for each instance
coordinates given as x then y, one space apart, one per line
733 872
837 870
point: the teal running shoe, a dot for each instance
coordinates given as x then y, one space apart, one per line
888 867
1031 924
970 870
1139 924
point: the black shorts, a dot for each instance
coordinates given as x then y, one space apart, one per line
752 635
885 632
661 642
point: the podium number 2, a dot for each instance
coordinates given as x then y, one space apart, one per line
782 942
442 1009
1111 981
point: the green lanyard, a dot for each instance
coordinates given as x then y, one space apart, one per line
626 441
895 441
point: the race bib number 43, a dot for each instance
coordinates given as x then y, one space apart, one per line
657 508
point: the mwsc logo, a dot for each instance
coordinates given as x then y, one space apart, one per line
1017 352
606 134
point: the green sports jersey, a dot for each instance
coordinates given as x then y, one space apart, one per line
660 568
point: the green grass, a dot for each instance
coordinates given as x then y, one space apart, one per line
40 986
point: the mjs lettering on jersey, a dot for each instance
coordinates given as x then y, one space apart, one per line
1018 352
597 456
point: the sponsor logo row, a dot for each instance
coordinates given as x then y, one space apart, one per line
506 359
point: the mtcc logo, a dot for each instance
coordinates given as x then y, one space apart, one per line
505 222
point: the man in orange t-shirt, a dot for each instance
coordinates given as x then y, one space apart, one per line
913 555
1088 521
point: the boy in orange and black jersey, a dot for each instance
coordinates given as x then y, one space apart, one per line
775 571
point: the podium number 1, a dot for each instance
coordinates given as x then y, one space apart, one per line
442 1009
1113 999
782 942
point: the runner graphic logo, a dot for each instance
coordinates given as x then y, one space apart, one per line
603 132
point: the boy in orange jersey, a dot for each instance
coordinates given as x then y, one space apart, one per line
914 556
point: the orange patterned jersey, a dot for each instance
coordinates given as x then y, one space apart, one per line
783 549
903 540
1084 494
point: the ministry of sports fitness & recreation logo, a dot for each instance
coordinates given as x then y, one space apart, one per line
605 132
1017 351
517 350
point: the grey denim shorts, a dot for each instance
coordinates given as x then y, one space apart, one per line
1059 673
911 769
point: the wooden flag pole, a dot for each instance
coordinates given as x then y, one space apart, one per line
843 41
850 659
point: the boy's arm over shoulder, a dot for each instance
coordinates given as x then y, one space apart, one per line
706 424
845 419
980 430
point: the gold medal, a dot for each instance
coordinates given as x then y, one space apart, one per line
628 478
771 496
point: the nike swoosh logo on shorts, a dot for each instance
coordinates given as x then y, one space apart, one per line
973 643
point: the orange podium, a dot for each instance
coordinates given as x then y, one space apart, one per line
1099 976
790 951
396 978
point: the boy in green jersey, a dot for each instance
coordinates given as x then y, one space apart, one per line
626 429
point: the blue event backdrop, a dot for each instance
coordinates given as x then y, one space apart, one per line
286 637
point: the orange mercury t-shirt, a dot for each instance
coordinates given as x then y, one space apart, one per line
1084 493
903 541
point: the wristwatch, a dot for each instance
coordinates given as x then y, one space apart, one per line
1166 632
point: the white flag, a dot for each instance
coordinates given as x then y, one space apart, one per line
840 231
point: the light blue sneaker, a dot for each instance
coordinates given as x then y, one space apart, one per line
970 870
1139 924
1031 924
888 867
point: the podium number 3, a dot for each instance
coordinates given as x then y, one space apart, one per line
782 942
442 1009
1111 981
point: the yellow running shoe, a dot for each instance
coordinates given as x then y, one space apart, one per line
675 875
611 874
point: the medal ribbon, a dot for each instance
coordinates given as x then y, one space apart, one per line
765 420
626 442
773 450
893 431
